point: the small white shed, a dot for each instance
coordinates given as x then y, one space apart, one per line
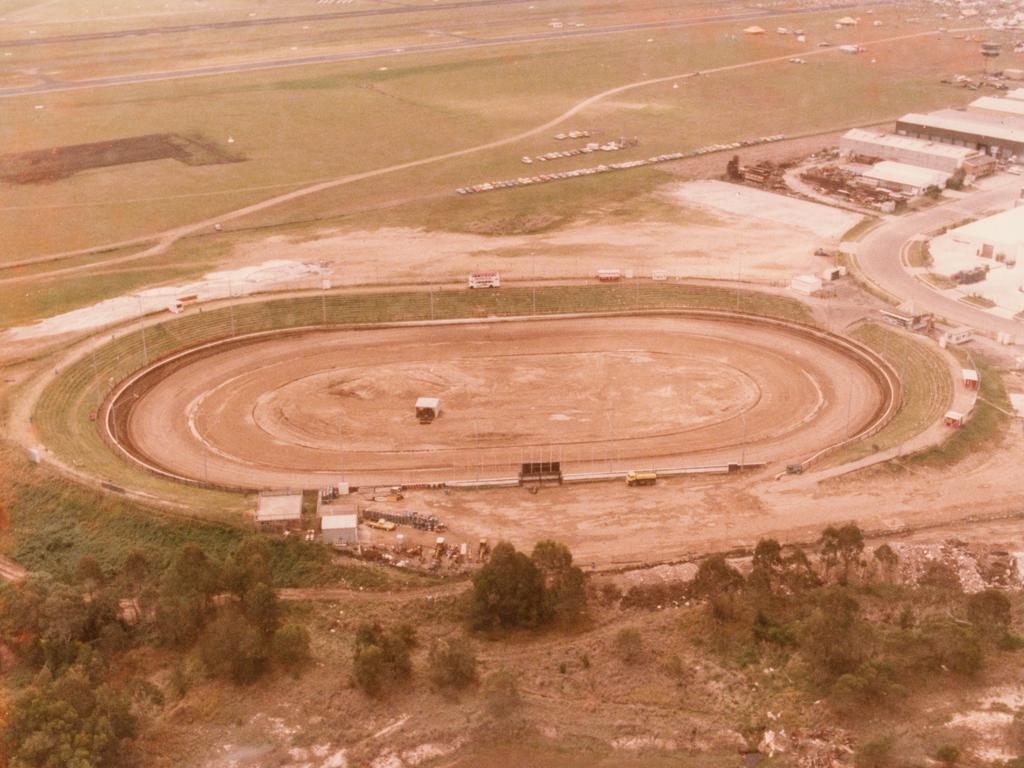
340 530
805 284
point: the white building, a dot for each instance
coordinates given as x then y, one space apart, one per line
1016 94
1001 137
1002 233
990 105
908 179
905 149
340 530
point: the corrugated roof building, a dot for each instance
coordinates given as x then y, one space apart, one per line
999 137
909 179
990 105
905 149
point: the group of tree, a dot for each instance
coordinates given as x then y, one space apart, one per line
515 591
853 632
69 631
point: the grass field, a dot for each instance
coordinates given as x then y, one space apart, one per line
51 524
984 429
63 412
927 389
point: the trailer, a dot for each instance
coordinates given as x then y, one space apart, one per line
609 275
485 280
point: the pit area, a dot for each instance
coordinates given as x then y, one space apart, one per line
602 394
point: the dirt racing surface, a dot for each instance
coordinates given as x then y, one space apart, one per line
597 394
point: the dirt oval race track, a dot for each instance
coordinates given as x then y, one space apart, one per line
302 409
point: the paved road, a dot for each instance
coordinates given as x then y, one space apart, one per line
879 256
174 29
50 86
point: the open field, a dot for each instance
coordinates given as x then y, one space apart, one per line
482 98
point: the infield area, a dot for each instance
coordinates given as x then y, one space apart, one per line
604 394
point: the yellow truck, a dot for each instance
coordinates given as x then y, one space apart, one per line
382 525
641 478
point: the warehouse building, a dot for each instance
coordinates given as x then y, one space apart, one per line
999 137
903 178
859 144
999 234
990 105
1016 93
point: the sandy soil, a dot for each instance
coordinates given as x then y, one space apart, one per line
597 394
766 240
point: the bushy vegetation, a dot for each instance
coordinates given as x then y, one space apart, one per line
841 628
516 591
68 633
382 656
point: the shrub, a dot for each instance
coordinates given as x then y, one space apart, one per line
989 610
231 647
628 646
381 657
947 754
501 695
452 664
290 646
874 753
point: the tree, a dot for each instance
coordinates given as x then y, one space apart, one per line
956 181
248 566
715 576
187 588
831 638
231 647
874 753
290 646
767 555
989 610
261 608
136 568
947 754
842 545
452 663
887 559
508 592
564 582
381 657
72 722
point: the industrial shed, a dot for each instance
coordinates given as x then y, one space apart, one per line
279 511
990 105
1016 93
859 143
999 137
340 530
908 179
1002 233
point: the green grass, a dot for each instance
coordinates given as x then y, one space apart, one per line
984 429
918 254
53 523
927 389
939 281
861 228
62 413
978 301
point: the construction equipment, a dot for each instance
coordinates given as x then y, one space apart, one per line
641 478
